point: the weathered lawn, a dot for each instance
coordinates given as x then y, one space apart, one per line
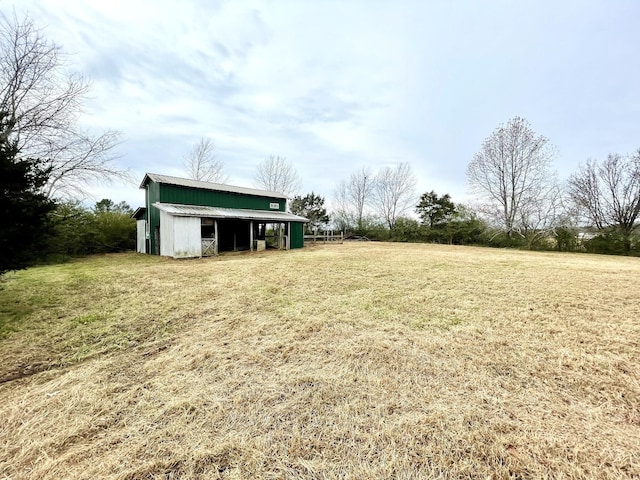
347 361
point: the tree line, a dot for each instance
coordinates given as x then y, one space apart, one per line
40 231
518 193
518 200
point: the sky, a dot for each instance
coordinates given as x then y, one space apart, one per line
333 86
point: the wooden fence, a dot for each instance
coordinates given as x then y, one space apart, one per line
325 237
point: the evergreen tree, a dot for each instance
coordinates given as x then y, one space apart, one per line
311 206
24 209
435 210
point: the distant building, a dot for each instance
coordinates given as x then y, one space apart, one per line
185 218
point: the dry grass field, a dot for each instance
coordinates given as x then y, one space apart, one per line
355 361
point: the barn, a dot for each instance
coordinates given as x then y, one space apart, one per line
185 218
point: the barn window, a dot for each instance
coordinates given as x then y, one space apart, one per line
206 228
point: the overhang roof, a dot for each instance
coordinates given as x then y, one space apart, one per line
139 213
219 187
231 213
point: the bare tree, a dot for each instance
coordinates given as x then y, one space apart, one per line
585 191
79 160
201 163
394 192
360 191
353 196
511 174
343 214
541 214
276 174
41 102
608 194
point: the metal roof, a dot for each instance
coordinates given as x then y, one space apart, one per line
233 213
139 213
186 182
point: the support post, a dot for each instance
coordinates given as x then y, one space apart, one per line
251 235
215 232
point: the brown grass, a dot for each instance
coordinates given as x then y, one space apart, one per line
354 361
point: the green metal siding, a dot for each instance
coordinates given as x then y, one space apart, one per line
208 198
153 195
297 235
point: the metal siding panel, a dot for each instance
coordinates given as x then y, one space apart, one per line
153 195
141 230
166 234
187 241
297 235
208 198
